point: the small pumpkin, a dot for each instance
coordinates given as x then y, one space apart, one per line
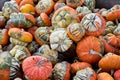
106 63
117 75
43 20
64 16
75 32
37 68
45 6
20 36
85 74
59 40
42 35
10 7
76 66
74 3
94 24
4 36
61 71
92 53
20 53
104 76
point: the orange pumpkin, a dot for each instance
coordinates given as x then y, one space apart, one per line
4 36
117 75
37 68
109 63
104 76
94 24
90 49
74 3
78 66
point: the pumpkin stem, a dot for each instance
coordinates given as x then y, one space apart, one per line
98 70
117 22
112 72
95 52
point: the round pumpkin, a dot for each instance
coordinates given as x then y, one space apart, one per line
85 74
61 71
63 16
75 32
59 40
90 49
94 24
37 68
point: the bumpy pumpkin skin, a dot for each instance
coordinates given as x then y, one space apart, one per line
85 74
64 16
37 68
45 6
104 76
42 35
61 71
91 53
59 40
94 24
4 36
10 7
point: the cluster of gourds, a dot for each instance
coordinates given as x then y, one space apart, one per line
59 40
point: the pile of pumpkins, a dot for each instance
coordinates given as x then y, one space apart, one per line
59 40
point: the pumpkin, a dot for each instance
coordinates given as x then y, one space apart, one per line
45 6
10 7
4 36
19 36
58 5
92 53
23 2
28 8
108 47
61 71
48 53
76 66
94 24
85 74
59 40
106 63
117 75
43 20
75 32
74 3
63 16
104 76
20 53
82 11
90 4
37 68
42 35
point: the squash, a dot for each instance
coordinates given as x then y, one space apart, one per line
37 68
92 53
94 24
61 71
59 40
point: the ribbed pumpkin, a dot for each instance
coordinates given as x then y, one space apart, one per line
109 63
90 49
76 66
37 68
94 24
48 53
74 3
63 16
19 36
43 20
85 74
104 76
42 35
45 6
59 40
75 32
61 71
117 75
4 36
20 53
10 7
